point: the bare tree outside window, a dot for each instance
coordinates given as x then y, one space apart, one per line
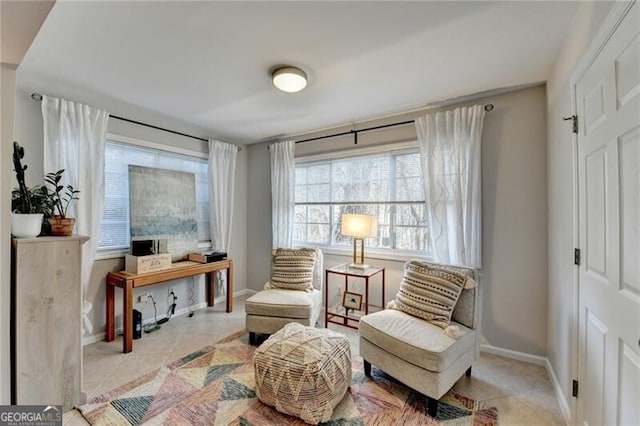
387 185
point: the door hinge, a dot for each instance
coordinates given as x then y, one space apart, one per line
573 118
574 391
576 256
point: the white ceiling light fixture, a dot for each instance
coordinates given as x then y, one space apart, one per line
289 79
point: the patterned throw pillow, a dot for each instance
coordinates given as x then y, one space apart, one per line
293 269
429 291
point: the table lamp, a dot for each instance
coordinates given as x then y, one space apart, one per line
359 226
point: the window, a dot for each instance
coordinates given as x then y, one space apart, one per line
115 228
387 185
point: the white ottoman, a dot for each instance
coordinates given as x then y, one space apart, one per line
303 371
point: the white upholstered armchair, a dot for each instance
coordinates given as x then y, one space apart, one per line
428 356
272 308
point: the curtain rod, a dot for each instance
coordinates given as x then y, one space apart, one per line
38 98
487 107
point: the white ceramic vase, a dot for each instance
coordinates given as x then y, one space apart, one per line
26 225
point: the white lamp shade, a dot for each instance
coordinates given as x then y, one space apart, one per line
289 79
359 225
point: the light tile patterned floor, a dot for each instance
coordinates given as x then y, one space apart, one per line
522 392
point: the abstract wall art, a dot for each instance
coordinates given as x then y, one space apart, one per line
163 205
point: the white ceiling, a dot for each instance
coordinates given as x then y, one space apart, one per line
208 63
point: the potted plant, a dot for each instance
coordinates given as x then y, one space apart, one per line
28 205
60 198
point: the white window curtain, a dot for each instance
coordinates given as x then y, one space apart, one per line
74 136
222 182
283 172
450 151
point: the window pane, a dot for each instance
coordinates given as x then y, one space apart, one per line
362 179
384 237
411 238
300 214
301 175
318 193
114 228
113 235
319 173
408 165
318 233
384 179
299 232
409 189
301 193
408 175
411 215
319 214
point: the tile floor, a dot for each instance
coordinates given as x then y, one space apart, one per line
522 392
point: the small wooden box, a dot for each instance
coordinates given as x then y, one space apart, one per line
151 263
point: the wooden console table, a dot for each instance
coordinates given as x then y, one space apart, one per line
127 282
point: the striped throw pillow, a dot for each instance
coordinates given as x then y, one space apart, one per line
429 291
293 269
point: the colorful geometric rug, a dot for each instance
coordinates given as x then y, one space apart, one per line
215 386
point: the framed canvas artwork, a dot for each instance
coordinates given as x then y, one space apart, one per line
162 204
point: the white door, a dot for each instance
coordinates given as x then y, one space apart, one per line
608 106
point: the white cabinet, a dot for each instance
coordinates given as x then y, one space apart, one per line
46 332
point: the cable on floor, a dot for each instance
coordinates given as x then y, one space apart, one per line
150 328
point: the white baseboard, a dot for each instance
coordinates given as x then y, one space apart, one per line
520 356
87 340
562 400
97 337
235 294
538 360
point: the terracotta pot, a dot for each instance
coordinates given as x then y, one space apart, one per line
61 226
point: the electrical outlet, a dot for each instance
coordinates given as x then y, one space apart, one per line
171 290
143 298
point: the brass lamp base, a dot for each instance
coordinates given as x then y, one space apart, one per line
360 264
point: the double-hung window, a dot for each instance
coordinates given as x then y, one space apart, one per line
388 185
115 226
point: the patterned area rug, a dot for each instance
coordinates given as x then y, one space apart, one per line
215 386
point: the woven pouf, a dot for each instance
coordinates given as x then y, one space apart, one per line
303 371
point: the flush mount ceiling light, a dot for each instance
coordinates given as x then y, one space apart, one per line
289 79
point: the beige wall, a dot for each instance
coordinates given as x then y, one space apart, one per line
514 216
28 131
7 95
258 215
514 223
561 317
19 24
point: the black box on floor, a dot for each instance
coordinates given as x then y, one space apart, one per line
137 324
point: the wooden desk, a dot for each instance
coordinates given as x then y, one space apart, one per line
127 282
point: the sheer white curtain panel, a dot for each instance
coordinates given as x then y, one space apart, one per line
450 154
74 137
283 173
222 182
